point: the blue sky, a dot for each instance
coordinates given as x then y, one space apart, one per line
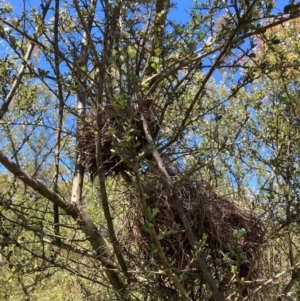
178 13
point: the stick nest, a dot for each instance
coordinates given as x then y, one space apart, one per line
227 234
117 145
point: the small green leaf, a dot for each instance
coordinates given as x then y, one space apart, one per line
234 269
154 212
154 66
153 248
131 52
145 84
162 272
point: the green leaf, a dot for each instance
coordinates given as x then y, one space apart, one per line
153 248
154 66
131 52
234 270
154 212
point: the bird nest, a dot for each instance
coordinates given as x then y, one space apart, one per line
229 236
121 136
87 145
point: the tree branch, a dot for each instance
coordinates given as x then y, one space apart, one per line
179 207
